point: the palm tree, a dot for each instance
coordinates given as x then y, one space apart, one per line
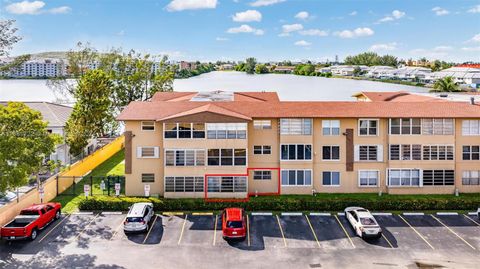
445 84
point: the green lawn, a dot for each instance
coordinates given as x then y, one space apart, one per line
115 166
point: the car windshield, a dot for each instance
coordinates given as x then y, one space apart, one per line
29 212
367 221
234 224
135 219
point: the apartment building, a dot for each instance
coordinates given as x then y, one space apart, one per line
37 68
230 145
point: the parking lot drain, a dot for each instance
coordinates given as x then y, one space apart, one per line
261 213
381 214
315 265
447 213
413 214
292 213
326 214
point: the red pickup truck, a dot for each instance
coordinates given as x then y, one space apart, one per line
31 220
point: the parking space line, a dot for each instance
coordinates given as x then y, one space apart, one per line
313 231
345 231
415 230
183 228
149 230
474 221
248 231
281 231
118 228
453 232
388 241
86 227
215 230
53 228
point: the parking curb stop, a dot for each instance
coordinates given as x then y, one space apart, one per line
291 213
341 213
112 213
82 213
262 214
381 214
447 213
326 214
413 214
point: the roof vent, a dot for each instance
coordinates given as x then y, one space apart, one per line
214 96
443 95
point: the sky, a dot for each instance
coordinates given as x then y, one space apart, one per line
269 30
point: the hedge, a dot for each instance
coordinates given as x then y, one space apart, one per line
290 203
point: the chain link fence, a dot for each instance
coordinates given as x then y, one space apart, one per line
103 185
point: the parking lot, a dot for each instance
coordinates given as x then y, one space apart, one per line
100 234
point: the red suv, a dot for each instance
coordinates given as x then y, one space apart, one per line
233 223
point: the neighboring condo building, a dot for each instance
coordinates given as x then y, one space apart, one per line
229 145
45 68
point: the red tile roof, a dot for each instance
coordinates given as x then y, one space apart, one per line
400 96
161 110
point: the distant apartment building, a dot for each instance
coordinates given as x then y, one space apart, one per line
230 145
45 68
187 65
284 69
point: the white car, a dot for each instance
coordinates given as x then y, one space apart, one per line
138 218
363 222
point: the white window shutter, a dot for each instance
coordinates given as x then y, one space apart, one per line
139 152
156 152
380 153
357 153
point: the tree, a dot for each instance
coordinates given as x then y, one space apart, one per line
24 144
388 60
261 69
308 70
8 38
357 71
445 84
371 58
250 64
92 114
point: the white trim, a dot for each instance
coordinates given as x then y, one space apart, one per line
261 214
325 214
291 213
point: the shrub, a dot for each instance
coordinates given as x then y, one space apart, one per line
291 203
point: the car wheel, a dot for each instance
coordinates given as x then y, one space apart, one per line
34 234
57 214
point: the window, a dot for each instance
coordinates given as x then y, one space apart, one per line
368 178
184 184
471 127
471 177
184 130
405 126
296 152
185 157
148 126
405 152
438 177
331 153
471 153
330 178
227 157
147 152
330 127
368 127
368 153
226 130
148 178
437 126
262 124
262 150
296 126
227 184
437 152
403 177
296 177
262 175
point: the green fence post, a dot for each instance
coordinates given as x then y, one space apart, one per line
91 185
108 185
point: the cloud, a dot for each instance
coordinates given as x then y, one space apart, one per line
471 48
314 32
180 5
25 7
474 39
288 28
247 16
262 3
440 11
395 15
244 28
353 13
302 43
442 48
429 53
121 33
221 39
302 15
60 10
475 9
384 47
359 32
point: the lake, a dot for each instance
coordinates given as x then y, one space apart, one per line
289 87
